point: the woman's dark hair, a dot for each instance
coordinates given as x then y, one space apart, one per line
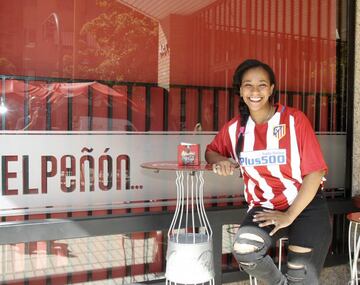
243 108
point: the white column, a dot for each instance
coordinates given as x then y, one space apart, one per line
356 133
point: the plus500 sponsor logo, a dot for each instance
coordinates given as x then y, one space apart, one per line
268 159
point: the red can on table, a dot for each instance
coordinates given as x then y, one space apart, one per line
188 154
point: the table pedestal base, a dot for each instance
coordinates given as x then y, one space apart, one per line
189 259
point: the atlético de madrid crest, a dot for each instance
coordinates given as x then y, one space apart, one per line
279 131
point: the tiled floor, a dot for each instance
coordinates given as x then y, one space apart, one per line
85 254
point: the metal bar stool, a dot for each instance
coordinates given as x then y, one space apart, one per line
253 280
354 246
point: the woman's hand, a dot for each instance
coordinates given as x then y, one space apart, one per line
224 167
270 217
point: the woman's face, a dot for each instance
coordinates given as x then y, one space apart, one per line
256 89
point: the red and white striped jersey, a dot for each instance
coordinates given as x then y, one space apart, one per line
275 157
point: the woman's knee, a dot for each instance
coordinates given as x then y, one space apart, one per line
250 245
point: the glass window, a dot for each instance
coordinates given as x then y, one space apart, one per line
164 66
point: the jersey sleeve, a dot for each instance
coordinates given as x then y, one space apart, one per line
311 157
221 143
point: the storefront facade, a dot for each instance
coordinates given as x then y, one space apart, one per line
91 89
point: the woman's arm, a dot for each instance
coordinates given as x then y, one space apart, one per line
307 192
221 164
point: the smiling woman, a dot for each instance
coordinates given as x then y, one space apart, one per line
255 83
283 167
255 90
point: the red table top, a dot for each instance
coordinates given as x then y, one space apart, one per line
173 165
354 217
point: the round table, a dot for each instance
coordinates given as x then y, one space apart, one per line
189 257
354 245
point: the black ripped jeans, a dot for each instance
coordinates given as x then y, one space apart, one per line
311 229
